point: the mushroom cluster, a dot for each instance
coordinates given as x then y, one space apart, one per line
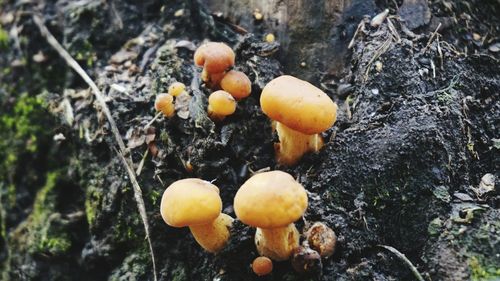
217 59
269 201
165 102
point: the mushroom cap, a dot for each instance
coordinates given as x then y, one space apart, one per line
190 202
176 88
237 84
298 105
270 200
165 104
214 57
262 266
222 103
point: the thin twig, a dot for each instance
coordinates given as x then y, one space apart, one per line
141 164
405 259
393 30
361 26
380 51
153 120
100 99
432 37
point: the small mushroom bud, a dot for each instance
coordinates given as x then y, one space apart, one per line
220 105
176 89
237 84
262 266
322 239
165 104
306 261
214 57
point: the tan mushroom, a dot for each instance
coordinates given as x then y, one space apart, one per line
271 202
196 203
301 112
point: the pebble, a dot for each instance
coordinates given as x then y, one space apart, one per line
494 48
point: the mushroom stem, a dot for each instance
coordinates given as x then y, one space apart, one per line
213 236
277 243
293 144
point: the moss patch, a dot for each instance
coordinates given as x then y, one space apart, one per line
48 234
481 273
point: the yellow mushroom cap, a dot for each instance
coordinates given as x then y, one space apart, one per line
165 104
221 103
237 84
176 88
298 105
214 57
270 200
190 202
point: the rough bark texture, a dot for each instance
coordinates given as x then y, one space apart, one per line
417 130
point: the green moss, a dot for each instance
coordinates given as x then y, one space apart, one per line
154 196
47 233
20 137
20 131
4 38
93 201
434 227
179 273
85 52
480 273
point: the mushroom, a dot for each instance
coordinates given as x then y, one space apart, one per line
212 79
196 203
165 104
220 105
237 84
176 88
322 239
271 202
214 57
306 261
301 112
262 266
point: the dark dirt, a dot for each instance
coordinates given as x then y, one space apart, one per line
417 130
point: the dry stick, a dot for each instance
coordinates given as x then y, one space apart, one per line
100 99
153 120
432 37
405 259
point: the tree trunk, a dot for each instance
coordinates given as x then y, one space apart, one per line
411 163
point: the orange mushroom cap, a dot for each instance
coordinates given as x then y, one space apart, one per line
298 105
262 266
165 104
270 200
190 202
221 103
237 84
214 57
